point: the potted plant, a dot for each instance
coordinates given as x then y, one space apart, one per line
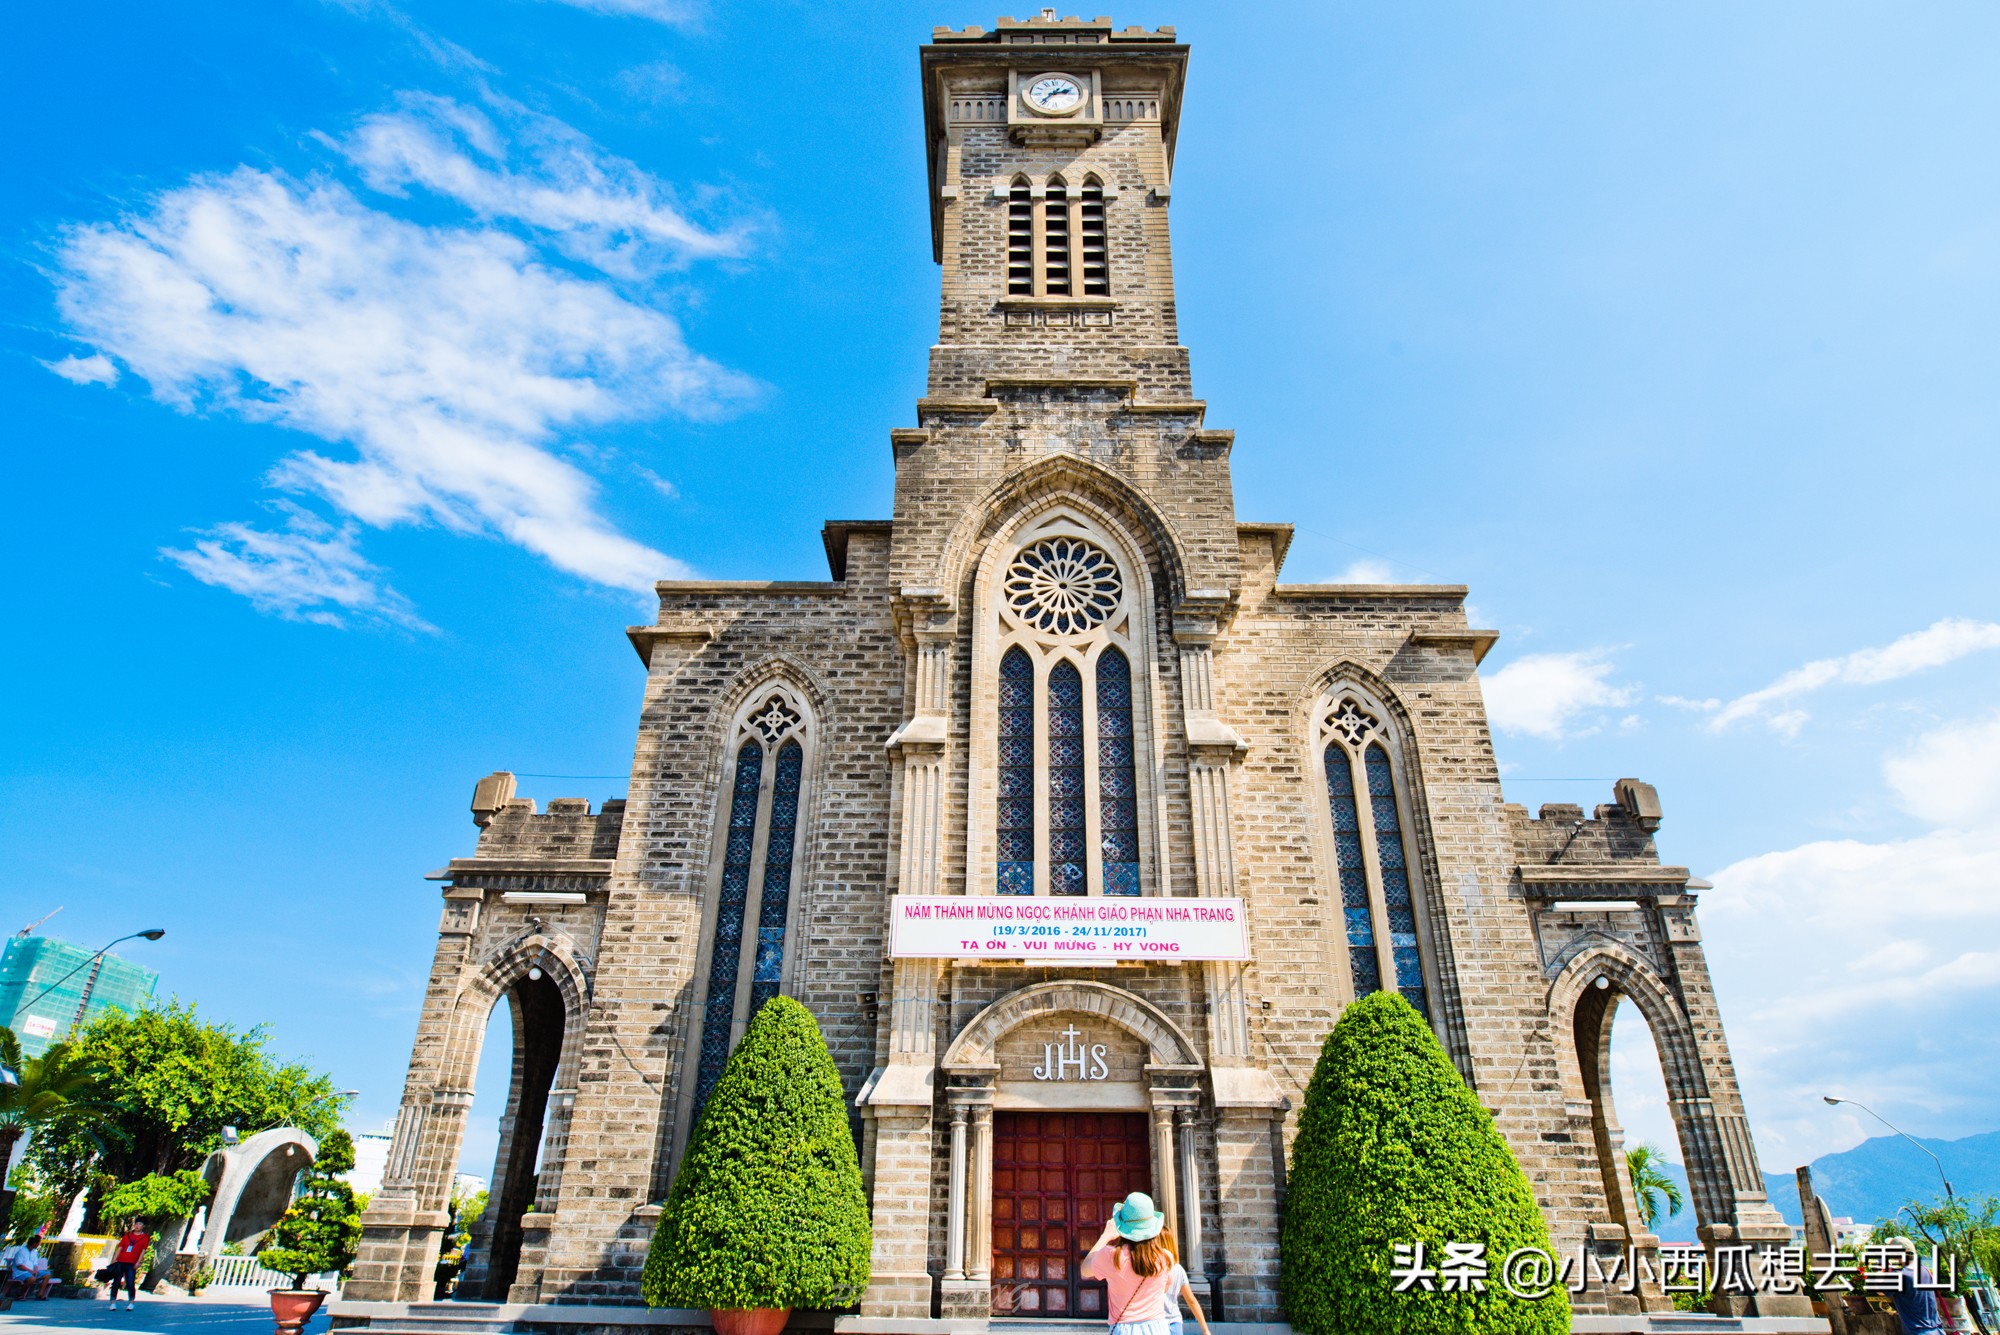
321 1232
767 1213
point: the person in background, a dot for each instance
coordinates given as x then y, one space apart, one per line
1143 1279
1917 1309
124 1268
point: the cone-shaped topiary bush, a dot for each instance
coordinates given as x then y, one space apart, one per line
322 1230
1392 1147
767 1209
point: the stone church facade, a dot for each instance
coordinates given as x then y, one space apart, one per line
1063 668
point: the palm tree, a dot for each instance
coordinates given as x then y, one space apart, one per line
1652 1186
57 1084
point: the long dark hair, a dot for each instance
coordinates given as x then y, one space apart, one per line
1151 1257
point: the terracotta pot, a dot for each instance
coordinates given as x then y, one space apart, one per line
749 1320
294 1307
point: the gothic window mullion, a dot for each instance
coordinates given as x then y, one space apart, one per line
1068 796
1370 852
781 836
1093 786
754 907
1399 906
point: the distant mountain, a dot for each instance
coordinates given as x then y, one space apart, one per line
1872 1180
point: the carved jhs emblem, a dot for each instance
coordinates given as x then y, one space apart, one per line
1070 1060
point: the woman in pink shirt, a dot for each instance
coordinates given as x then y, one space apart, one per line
1144 1282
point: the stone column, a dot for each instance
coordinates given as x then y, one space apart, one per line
1752 1220
900 1093
405 1221
980 1202
1166 1194
967 1290
954 1241
1190 1187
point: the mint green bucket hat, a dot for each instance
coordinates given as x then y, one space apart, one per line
1137 1218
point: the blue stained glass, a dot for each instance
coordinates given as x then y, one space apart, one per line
779 846
1015 824
1067 835
1395 879
726 955
1117 777
1367 970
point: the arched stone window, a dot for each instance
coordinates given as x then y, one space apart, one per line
1069 728
754 874
1374 859
1020 239
1091 239
1056 233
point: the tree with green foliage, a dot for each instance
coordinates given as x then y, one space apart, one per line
322 1230
179 1080
767 1210
34 1204
156 1198
1651 1185
1392 1147
64 1087
1965 1230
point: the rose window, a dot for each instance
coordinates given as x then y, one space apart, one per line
1064 586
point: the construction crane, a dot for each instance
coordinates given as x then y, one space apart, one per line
29 930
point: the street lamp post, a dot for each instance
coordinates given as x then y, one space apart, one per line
96 962
1831 1100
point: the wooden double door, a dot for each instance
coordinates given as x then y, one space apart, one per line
1056 1178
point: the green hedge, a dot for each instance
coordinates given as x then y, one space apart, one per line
1392 1147
767 1209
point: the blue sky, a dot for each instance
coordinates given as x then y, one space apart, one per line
364 361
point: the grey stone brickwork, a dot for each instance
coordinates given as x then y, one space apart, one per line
598 927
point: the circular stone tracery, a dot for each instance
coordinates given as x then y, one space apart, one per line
1064 586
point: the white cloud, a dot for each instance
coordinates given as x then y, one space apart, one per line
308 571
596 208
452 360
1868 969
1950 775
1365 571
1940 643
1541 694
96 369
674 13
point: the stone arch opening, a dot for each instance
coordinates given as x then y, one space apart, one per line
1591 993
537 1010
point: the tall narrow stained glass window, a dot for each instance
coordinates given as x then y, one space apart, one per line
1402 913
1354 904
725 956
1117 776
1068 835
776 903
1016 825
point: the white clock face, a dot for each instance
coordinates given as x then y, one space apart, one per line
1055 94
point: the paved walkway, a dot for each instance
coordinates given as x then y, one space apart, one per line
231 1313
